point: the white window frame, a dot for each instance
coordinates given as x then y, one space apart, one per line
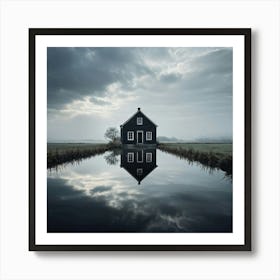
151 157
139 121
139 171
149 133
130 138
128 157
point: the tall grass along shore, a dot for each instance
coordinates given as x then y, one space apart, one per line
59 153
210 155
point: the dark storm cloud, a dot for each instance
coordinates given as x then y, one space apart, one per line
101 87
74 73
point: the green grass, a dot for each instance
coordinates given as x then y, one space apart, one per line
65 147
61 153
225 149
210 155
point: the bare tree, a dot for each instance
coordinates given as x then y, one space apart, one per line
112 134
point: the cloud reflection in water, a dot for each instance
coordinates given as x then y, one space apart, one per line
176 197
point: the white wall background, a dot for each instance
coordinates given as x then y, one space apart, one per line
16 262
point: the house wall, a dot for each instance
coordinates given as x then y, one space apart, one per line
133 166
131 125
124 156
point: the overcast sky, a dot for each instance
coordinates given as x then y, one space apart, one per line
187 92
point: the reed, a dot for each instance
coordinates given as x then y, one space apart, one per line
63 153
209 159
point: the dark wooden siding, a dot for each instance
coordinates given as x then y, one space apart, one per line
131 125
132 167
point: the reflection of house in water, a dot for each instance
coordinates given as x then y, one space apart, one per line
139 162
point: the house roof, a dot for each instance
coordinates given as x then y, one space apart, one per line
136 177
139 110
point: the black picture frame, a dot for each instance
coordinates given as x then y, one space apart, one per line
246 32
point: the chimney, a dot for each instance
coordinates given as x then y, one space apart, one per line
139 108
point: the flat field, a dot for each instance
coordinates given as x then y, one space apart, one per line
211 155
216 148
66 147
59 153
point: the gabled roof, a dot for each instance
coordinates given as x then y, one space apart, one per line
139 110
135 176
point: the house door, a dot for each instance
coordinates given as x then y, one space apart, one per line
140 156
139 137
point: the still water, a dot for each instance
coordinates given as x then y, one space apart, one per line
149 191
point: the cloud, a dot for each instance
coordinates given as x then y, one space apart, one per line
191 84
212 73
100 189
75 73
170 78
106 209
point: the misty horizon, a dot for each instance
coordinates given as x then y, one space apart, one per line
186 91
160 138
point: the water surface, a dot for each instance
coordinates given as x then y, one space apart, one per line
168 195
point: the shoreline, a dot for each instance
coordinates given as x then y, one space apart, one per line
212 155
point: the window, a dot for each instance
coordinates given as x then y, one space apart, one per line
149 157
149 135
130 135
139 121
130 157
139 171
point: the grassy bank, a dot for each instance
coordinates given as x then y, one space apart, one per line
62 153
225 149
210 155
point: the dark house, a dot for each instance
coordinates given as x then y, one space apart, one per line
139 130
139 162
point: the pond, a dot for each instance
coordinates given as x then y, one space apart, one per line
138 190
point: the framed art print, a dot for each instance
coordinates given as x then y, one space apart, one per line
140 139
